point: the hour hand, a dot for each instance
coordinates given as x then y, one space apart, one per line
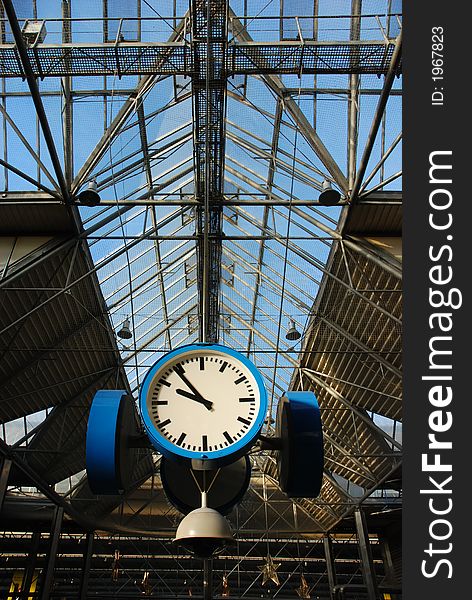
178 369
196 397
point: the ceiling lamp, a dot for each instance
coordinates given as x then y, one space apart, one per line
293 333
204 531
89 197
328 196
125 332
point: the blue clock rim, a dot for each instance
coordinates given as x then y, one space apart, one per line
165 446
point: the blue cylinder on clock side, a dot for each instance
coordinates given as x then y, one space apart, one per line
102 455
301 459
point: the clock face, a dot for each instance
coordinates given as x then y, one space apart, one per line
203 402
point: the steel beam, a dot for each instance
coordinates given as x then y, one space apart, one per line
350 242
30 565
67 103
207 579
355 410
36 97
389 79
209 45
365 552
4 475
275 84
330 565
48 574
353 98
123 114
87 561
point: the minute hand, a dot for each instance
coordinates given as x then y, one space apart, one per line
206 402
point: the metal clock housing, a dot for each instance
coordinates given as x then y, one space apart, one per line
203 402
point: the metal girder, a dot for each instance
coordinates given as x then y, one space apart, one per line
173 58
353 98
48 573
353 244
357 342
4 475
26 65
265 218
209 44
382 103
355 410
330 565
368 570
123 114
93 270
275 84
320 265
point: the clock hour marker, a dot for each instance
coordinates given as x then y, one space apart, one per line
228 437
223 366
202 363
159 402
164 382
243 420
204 443
246 399
181 438
241 379
179 369
163 423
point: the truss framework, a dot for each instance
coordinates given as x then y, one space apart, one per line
237 189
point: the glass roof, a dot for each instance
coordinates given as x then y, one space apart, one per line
285 130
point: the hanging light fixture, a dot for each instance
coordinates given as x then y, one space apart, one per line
292 332
89 197
328 196
125 332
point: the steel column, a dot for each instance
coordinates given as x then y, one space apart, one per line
207 579
86 567
330 565
209 43
353 98
368 571
67 104
5 473
389 78
30 564
52 553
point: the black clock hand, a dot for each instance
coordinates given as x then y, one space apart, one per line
198 398
180 373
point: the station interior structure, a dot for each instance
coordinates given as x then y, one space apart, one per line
173 171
